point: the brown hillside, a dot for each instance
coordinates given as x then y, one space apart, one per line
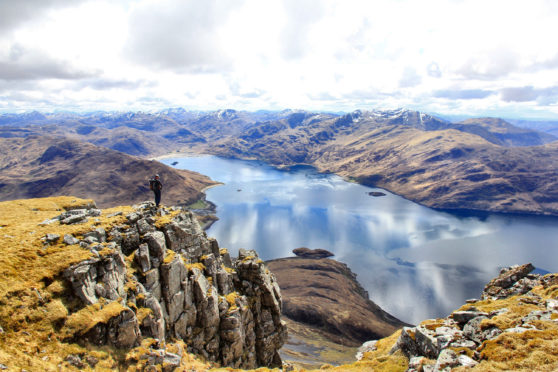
324 294
41 166
440 168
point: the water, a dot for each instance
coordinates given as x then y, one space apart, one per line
416 263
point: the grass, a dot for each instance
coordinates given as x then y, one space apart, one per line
39 317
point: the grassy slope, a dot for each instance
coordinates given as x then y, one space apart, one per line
34 312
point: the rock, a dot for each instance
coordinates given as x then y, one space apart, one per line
473 331
462 317
466 361
552 305
366 347
503 285
99 235
180 294
75 360
51 238
418 364
537 315
70 240
312 253
142 257
446 361
144 226
157 246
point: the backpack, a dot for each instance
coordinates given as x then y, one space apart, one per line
151 184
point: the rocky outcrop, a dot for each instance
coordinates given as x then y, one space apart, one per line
170 281
312 253
461 339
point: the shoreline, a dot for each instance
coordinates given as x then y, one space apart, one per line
458 212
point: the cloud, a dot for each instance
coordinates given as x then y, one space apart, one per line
433 69
301 15
410 78
490 64
529 93
462 93
23 64
104 84
14 13
179 35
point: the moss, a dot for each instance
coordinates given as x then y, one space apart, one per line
85 319
169 256
142 313
197 265
162 221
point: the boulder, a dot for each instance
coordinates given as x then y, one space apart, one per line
312 253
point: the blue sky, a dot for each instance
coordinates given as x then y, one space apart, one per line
454 57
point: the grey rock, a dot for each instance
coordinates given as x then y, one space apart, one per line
518 329
537 315
144 227
462 317
466 361
157 245
70 240
472 329
74 360
52 238
98 234
552 305
172 274
133 217
366 347
142 257
75 218
446 360
93 212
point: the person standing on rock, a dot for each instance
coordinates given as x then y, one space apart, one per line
156 185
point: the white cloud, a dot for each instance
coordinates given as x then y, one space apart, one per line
435 55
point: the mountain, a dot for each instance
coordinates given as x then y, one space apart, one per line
501 132
422 158
483 164
38 166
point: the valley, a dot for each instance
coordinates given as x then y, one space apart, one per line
482 164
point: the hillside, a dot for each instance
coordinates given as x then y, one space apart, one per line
327 311
411 156
45 166
482 164
89 289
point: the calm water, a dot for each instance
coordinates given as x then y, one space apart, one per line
416 263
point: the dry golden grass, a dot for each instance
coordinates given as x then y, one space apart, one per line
38 317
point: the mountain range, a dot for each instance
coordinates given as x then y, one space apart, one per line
482 164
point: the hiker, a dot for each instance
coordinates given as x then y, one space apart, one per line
156 185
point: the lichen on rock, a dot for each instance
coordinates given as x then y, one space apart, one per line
177 284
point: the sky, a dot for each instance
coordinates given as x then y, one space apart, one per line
452 57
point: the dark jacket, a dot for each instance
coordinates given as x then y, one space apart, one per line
155 185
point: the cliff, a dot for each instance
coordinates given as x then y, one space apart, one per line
128 288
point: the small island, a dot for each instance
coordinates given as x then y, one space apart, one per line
312 253
376 193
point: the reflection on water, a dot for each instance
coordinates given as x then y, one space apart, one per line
416 263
